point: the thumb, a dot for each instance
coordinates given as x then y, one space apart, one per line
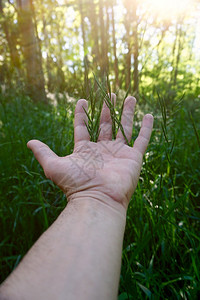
42 153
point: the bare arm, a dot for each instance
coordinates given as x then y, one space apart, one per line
79 256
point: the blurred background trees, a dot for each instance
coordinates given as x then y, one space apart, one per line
54 45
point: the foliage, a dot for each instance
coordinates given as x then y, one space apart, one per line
25 192
77 38
161 246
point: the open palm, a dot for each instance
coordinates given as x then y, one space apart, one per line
104 170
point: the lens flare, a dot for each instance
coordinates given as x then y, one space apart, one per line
168 9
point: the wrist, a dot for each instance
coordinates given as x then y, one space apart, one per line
99 200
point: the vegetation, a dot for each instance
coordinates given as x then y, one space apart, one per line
52 53
161 246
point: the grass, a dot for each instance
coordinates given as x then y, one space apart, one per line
162 241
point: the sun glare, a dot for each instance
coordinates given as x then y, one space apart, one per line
167 9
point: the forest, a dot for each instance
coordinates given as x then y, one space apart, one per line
54 52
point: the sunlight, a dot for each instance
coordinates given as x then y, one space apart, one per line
167 9
61 2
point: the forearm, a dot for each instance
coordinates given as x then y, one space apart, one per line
78 257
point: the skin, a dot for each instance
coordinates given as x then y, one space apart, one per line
79 256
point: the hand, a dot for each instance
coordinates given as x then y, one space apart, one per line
107 170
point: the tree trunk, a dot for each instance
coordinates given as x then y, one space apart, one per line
179 49
60 73
31 51
95 34
135 50
11 40
173 53
107 35
85 59
115 51
127 23
50 81
103 56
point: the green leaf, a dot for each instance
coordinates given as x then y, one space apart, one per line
123 296
145 290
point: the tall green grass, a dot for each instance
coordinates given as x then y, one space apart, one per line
162 241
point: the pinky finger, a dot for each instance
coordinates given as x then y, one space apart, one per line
143 138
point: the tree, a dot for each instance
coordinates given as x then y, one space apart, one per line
85 59
103 35
11 37
93 17
114 50
177 49
127 24
135 48
35 83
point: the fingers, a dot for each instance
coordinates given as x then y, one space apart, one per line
80 130
42 153
106 121
127 118
143 138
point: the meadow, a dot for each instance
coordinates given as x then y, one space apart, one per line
161 246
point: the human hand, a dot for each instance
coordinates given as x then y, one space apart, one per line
107 170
